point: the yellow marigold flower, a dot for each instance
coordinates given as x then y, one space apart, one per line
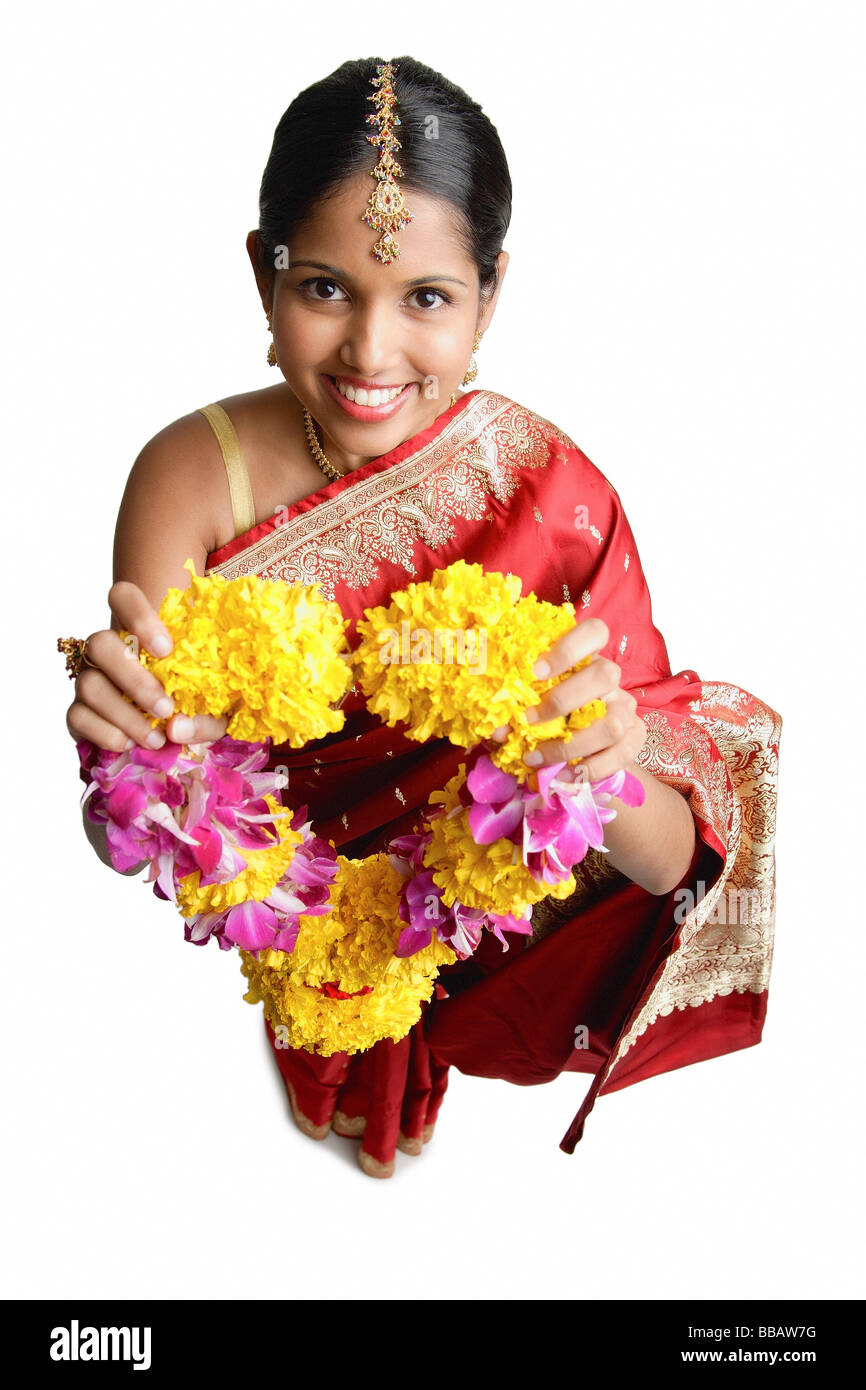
524 736
352 948
453 657
264 653
325 1026
492 877
264 869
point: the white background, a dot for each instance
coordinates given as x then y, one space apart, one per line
685 299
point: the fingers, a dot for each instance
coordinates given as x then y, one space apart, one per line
594 682
101 714
602 748
581 641
101 705
615 758
120 664
86 723
201 728
597 681
132 610
109 721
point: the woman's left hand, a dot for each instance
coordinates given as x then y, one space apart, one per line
609 744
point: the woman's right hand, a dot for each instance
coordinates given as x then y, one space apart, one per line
99 712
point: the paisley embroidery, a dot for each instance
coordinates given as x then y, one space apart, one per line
725 760
726 940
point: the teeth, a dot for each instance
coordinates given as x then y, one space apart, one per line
362 397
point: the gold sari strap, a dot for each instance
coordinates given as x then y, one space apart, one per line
243 512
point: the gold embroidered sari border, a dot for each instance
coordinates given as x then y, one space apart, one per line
732 951
356 500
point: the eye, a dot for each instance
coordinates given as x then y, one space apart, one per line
321 289
429 294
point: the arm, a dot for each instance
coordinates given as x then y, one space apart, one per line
652 844
166 516
168 510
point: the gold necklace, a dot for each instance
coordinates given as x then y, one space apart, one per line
321 458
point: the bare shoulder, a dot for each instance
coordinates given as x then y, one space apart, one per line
177 505
173 487
270 428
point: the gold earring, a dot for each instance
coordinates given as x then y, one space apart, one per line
272 352
472 369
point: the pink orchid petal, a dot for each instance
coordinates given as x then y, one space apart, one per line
284 901
208 855
413 939
545 775
125 803
626 787
571 844
250 925
488 823
487 782
286 938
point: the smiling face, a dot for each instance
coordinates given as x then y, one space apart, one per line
374 351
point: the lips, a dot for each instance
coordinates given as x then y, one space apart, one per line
369 413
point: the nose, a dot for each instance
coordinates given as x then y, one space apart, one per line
372 343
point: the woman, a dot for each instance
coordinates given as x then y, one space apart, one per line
364 469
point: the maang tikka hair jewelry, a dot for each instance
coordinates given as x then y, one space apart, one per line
386 210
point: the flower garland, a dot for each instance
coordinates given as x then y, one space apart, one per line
344 952
379 994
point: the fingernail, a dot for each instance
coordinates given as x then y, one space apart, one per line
533 759
531 715
163 706
161 644
182 729
130 743
541 670
155 740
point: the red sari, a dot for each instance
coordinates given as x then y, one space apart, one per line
614 982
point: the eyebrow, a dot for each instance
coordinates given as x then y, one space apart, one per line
407 284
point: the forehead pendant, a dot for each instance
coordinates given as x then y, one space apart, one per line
386 211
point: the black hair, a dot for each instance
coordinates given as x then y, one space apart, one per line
449 150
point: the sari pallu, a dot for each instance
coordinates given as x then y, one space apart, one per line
614 981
